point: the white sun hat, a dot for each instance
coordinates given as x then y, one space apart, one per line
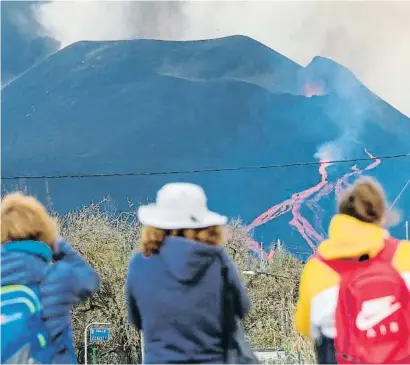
179 206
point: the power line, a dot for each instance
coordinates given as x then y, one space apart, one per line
223 169
399 195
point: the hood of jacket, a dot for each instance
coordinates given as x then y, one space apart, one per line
24 262
351 238
188 260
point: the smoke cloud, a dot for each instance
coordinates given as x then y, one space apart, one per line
69 21
370 38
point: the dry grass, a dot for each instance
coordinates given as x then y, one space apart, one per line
107 243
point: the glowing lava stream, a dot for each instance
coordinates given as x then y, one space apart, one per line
300 222
294 204
343 182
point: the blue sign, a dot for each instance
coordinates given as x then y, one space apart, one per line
99 334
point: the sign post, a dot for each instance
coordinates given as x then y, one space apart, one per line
94 356
96 335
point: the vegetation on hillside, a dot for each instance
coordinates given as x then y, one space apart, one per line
107 242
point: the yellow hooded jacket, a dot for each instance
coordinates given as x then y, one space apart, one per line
319 285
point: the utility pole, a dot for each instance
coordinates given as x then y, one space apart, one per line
407 230
142 347
283 319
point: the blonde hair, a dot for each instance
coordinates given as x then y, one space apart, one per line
365 200
153 238
25 218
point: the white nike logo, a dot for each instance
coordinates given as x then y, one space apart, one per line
376 310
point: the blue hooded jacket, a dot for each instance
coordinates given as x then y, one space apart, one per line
66 282
175 299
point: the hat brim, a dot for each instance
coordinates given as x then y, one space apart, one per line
152 215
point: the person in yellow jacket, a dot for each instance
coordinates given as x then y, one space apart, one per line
355 232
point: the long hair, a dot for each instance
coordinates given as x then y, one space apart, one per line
25 218
365 200
153 238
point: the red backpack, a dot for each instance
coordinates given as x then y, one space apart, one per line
373 310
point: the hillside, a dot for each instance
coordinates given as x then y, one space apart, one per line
154 106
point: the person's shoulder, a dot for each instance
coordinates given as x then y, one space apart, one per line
137 260
222 256
318 276
402 256
138 256
312 266
222 251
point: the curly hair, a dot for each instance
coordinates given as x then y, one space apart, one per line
153 238
25 218
365 201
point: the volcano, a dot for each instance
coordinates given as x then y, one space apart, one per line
200 111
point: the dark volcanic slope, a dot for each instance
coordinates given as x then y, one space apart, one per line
144 105
99 104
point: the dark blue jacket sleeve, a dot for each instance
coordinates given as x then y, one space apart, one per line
133 311
240 294
81 279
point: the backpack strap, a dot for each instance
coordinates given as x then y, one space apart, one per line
342 266
390 247
227 310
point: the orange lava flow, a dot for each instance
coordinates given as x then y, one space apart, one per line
310 90
310 197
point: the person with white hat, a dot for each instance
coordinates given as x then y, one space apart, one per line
174 284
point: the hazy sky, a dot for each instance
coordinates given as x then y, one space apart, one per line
372 38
